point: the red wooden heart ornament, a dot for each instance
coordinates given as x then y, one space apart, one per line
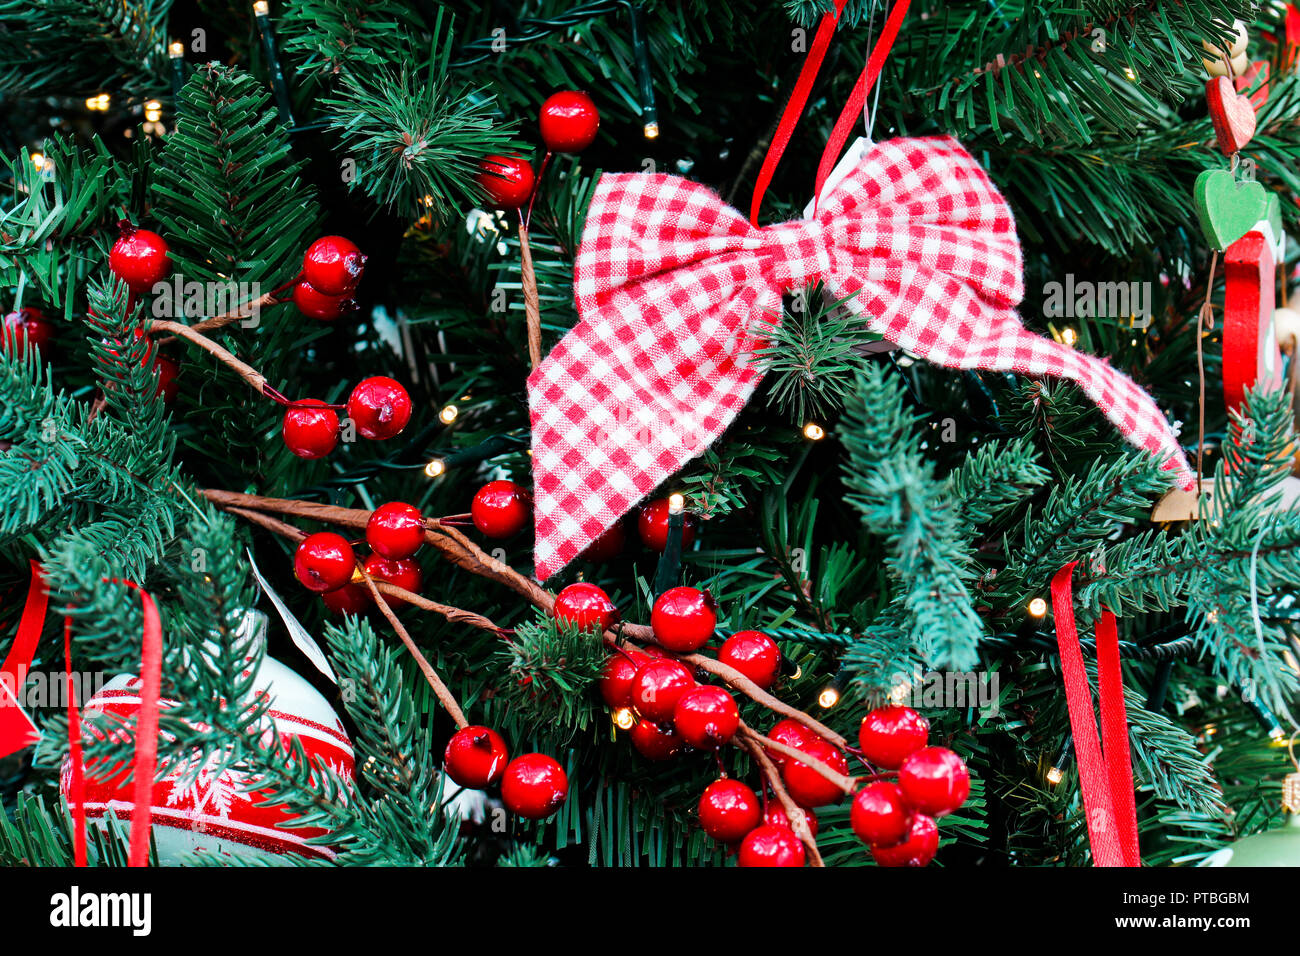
1249 353
1233 115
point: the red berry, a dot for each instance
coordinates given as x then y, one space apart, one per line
507 180
652 525
792 734
395 530
400 572
917 850
476 757
24 328
654 742
754 654
729 810
683 619
569 121
324 561
658 685
889 735
806 785
310 429
500 509
935 781
706 717
880 815
586 607
332 265
771 846
616 679
352 598
139 257
776 816
380 408
315 304
534 786
168 370
607 546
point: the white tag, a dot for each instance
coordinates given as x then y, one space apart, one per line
301 639
846 165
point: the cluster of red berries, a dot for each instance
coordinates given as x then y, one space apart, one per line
568 120
379 407
325 562
331 269
532 785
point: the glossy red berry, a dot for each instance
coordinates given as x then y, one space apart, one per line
324 561
754 654
506 180
771 846
706 717
380 408
500 509
683 619
310 429
534 786
918 849
586 607
792 734
607 546
569 122
657 686
168 371
889 735
25 328
395 530
935 781
399 572
352 598
616 679
652 526
476 757
315 304
880 816
655 742
729 810
808 787
777 817
139 257
332 265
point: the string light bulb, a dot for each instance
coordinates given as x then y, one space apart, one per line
829 697
261 8
98 103
1069 336
814 432
1037 607
38 160
153 111
651 130
448 414
624 719
435 468
1055 775
176 49
676 503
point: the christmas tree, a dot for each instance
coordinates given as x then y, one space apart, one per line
410 454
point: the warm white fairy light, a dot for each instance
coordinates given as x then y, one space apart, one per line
38 160
829 697
435 468
448 414
814 432
1069 336
1037 607
676 503
153 111
624 718
98 103
651 130
261 8
176 49
1054 775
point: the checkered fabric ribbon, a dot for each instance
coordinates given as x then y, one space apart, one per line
674 288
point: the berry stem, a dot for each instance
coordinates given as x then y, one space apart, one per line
847 784
532 301
245 371
748 740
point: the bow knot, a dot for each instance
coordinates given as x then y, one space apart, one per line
672 286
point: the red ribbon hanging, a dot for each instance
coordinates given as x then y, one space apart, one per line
16 728
803 88
1105 776
145 760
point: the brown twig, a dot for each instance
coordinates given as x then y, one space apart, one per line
439 688
245 371
532 301
798 818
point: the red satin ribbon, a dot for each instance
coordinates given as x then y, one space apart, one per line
16 728
145 760
1105 776
803 88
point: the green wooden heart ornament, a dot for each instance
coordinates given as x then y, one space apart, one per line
1227 208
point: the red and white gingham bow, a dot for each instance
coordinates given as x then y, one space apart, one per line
674 286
